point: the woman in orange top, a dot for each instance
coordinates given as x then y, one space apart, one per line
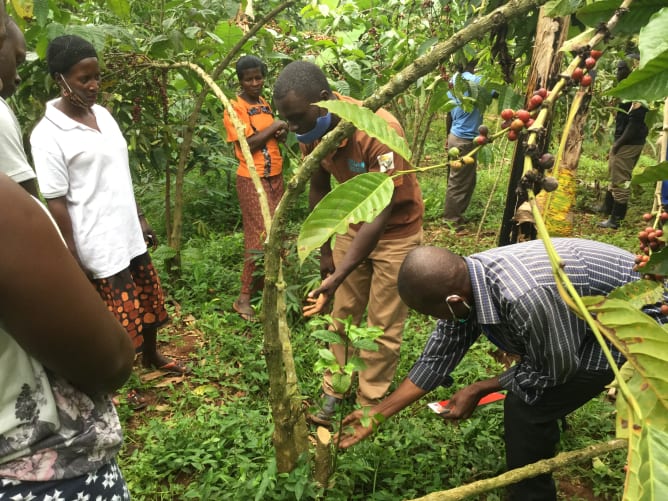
263 134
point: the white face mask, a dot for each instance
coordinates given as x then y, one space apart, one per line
73 98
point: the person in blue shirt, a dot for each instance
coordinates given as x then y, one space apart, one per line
462 128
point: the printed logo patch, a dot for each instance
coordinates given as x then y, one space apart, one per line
386 161
357 167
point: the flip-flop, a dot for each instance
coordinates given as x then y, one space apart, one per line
247 316
135 400
174 367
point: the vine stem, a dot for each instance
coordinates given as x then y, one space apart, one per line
574 301
492 191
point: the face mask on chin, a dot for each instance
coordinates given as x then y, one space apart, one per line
73 98
322 125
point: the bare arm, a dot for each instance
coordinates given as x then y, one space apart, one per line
362 245
150 236
402 397
260 138
58 209
364 242
461 406
49 307
30 185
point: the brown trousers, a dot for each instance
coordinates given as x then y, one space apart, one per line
372 286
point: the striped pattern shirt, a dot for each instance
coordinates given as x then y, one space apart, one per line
518 307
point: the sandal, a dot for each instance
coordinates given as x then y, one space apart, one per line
165 364
248 316
174 367
135 400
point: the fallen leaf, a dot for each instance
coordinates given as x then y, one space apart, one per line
169 381
150 376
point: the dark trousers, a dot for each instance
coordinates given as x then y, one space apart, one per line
461 183
532 431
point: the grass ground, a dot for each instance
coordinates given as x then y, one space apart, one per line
208 435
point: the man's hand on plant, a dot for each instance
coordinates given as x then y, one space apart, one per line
316 304
352 430
319 298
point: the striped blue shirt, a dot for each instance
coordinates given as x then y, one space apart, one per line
518 307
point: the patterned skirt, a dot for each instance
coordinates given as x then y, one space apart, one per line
105 484
134 295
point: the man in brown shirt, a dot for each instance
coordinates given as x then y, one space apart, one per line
360 272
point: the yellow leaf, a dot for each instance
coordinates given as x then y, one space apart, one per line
24 8
204 389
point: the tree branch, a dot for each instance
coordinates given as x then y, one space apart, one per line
528 471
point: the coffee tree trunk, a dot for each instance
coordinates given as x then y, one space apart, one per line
475 489
545 65
663 156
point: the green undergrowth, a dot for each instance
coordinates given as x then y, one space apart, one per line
209 436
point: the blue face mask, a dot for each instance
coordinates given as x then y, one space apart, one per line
322 125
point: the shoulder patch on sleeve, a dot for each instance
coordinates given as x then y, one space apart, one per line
386 161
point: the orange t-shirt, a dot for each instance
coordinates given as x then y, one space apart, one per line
362 153
268 160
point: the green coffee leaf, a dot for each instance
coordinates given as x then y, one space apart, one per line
368 121
359 199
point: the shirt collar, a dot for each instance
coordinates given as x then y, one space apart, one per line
60 119
486 312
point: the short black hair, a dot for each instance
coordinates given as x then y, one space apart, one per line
65 51
304 78
429 274
250 63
